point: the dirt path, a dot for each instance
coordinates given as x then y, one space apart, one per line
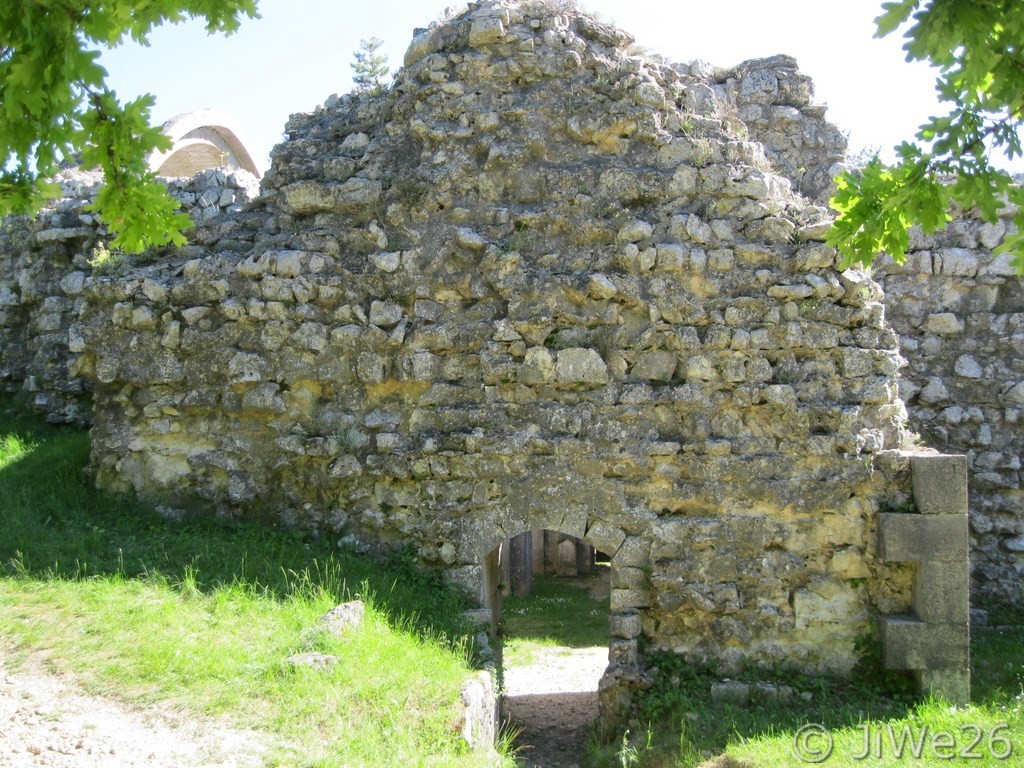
554 701
554 698
47 721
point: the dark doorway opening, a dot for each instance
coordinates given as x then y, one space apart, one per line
553 637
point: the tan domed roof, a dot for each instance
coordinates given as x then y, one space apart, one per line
203 139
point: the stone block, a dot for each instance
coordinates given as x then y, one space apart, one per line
954 685
770 692
623 653
538 366
944 324
656 365
480 712
386 262
906 537
624 599
731 691
967 367
941 591
601 287
957 262
607 538
625 625
848 563
385 314
485 31
825 600
370 368
305 197
854 362
909 643
634 551
940 484
626 577
635 231
343 618
581 366
356 195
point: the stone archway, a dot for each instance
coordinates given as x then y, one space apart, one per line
553 642
589 508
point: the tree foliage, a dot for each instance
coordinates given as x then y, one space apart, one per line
56 108
369 67
978 47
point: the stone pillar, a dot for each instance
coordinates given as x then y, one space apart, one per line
934 642
537 544
491 587
567 558
521 564
551 540
584 558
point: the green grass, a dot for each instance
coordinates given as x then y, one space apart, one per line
557 612
679 726
201 615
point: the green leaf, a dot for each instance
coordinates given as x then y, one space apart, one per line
55 107
895 15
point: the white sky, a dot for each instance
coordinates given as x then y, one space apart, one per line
300 52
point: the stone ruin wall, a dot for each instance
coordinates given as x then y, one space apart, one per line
44 263
482 305
959 313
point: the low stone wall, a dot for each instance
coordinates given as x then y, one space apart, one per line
44 262
480 705
959 312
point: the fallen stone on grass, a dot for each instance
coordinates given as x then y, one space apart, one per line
343 618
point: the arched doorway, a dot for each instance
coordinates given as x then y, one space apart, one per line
551 602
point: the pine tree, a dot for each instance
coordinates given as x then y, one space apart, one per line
369 67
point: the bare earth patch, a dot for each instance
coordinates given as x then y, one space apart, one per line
47 721
554 701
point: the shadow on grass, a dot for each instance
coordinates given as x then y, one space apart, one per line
55 524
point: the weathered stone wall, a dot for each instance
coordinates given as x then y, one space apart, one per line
541 284
774 103
529 288
43 266
959 312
